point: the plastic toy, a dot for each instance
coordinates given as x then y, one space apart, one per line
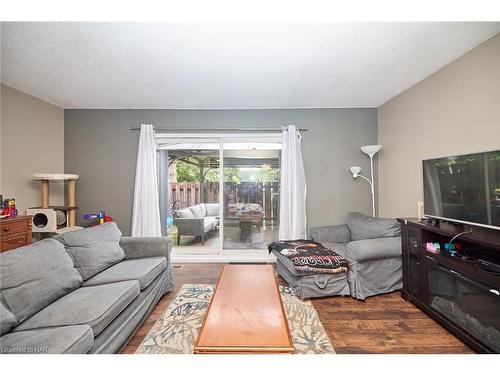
9 208
432 247
101 215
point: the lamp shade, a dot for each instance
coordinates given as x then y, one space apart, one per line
371 150
355 171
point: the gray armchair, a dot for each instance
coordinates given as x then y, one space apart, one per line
373 248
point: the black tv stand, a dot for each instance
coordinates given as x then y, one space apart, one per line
461 292
428 220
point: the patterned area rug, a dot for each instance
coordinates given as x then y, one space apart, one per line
176 331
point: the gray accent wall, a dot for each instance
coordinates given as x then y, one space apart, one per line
101 148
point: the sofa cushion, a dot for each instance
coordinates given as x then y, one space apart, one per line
374 249
33 276
184 213
95 306
209 223
70 340
331 233
212 209
144 270
197 211
364 227
93 249
7 319
203 209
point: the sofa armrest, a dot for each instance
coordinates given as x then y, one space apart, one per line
144 247
374 249
332 233
190 226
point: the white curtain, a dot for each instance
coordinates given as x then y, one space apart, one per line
293 187
146 210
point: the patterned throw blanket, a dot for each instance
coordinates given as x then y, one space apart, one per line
310 256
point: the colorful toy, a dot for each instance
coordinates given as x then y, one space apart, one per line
9 208
432 247
101 215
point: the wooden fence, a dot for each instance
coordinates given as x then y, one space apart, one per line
186 194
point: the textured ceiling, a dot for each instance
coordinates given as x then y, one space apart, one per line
248 65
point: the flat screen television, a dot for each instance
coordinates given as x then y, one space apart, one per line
464 188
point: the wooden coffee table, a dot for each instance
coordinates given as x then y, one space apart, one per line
246 314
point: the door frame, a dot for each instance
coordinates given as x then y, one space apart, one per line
273 139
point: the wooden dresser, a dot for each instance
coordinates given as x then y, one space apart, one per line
15 232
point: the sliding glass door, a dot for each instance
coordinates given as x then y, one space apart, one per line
193 193
221 194
251 175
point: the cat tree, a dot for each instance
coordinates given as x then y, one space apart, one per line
70 180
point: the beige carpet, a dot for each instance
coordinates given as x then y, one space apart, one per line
176 331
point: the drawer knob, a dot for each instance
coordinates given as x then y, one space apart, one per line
6 229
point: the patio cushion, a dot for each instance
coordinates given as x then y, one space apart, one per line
33 276
70 340
95 306
197 211
212 209
184 213
209 222
364 227
203 209
93 249
144 270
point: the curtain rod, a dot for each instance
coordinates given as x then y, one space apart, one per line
187 130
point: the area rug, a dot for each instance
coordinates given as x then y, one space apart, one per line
176 331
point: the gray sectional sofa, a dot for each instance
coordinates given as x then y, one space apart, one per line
85 291
196 220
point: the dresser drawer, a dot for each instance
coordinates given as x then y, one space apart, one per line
15 232
15 226
14 241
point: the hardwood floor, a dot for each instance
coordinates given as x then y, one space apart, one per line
381 324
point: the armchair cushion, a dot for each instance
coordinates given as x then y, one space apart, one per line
364 227
332 233
374 249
